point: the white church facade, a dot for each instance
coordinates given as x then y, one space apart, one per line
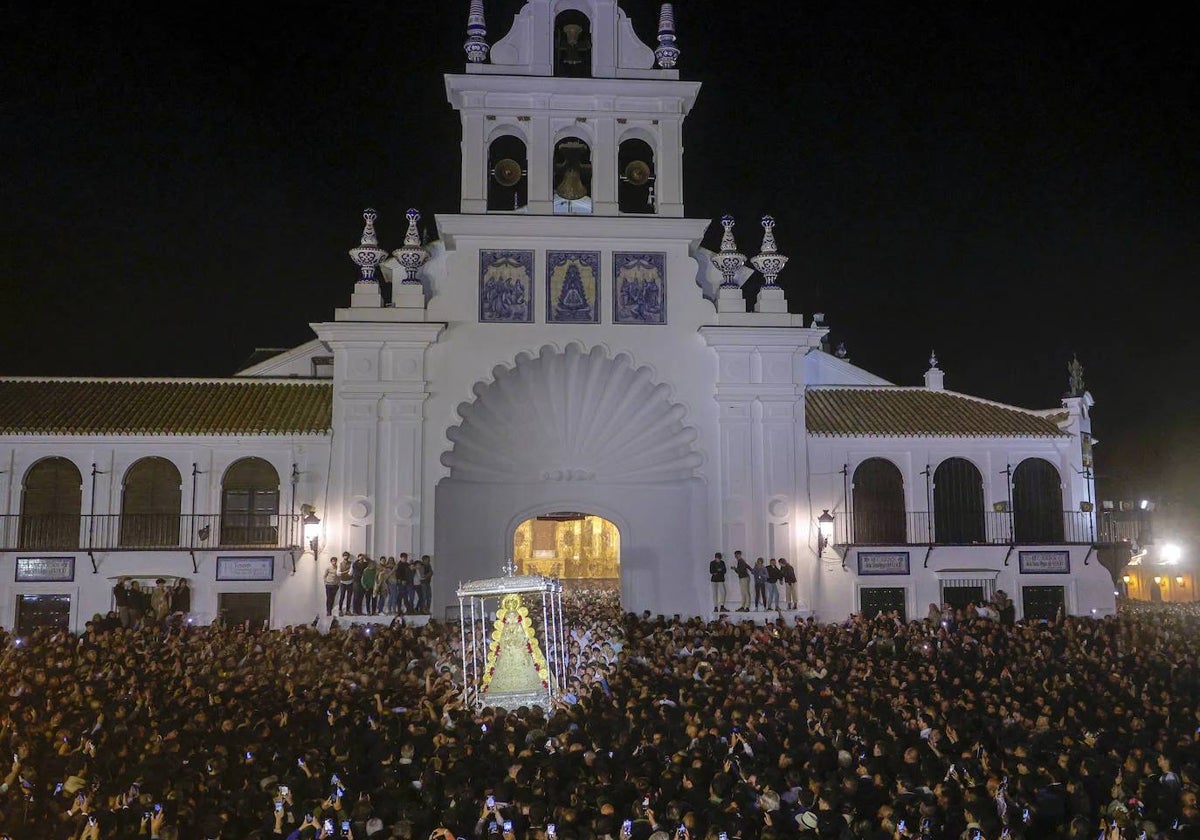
566 346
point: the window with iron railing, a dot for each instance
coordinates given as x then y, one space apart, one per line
250 504
51 505
1037 502
958 502
151 504
878 508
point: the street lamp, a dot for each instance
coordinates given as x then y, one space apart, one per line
824 531
312 527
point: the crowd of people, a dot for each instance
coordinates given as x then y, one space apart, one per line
670 728
365 586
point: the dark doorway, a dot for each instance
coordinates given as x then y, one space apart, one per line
873 600
960 596
239 607
1043 603
37 612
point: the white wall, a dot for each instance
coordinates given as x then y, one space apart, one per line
295 597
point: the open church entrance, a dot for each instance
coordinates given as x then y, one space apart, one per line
581 550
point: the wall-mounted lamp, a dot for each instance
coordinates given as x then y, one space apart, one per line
1157 579
824 531
1126 578
1179 579
312 527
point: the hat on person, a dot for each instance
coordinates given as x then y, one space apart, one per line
807 820
374 826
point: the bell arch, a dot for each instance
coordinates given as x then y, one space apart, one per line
507 170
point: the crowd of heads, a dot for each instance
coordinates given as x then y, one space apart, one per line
671 728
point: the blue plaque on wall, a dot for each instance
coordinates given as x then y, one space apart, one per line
506 287
246 568
883 563
639 288
1044 562
572 287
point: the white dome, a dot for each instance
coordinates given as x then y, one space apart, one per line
572 416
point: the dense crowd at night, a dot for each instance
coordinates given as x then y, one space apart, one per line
955 726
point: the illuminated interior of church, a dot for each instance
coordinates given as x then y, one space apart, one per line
568 546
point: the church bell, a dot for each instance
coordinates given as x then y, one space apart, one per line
571 187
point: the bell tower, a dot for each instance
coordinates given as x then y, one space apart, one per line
571 114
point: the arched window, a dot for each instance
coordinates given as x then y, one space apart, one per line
250 504
635 168
51 505
572 176
150 504
878 503
573 45
1037 502
957 502
508 188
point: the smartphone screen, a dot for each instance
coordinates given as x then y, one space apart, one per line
329 826
345 826
507 826
551 829
278 806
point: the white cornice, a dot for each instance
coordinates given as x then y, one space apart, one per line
515 95
453 227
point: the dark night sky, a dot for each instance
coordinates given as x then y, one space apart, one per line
1006 183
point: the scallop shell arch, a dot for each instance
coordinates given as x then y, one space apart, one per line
572 416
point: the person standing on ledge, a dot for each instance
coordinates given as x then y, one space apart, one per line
716 573
743 572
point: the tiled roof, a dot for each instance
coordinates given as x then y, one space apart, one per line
163 407
916 412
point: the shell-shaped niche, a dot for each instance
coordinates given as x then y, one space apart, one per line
572 416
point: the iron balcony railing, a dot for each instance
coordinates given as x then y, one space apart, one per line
882 527
145 532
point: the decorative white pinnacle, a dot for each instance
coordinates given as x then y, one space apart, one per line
842 352
412 256
509 567
769 262
476 46
729 260
933 360
667 53
368 254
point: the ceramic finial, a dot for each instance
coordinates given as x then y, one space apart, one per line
769 261
476 46
667 53
368 254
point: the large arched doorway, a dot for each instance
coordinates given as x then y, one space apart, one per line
569 432
582 550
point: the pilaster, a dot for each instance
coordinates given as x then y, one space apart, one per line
377 464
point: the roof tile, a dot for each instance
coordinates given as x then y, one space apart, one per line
915 412
156 407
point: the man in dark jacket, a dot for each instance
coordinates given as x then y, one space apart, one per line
716 574
743 572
